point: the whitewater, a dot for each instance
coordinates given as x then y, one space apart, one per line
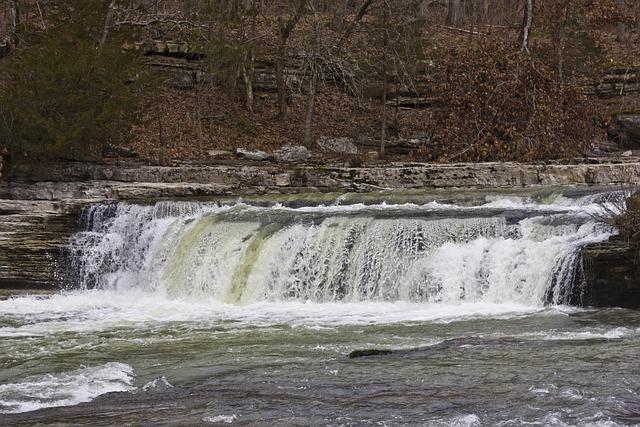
246 313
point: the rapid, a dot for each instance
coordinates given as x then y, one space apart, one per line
245 313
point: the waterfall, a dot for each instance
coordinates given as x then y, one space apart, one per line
502 252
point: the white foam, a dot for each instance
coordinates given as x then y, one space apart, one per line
224 419
467 420
66 388
160 383
615 333
96 310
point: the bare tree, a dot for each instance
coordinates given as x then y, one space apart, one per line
621 28
249 59
455 14
527 24
385 50
329 58
16 21
107 22
284 32
313 83
560 36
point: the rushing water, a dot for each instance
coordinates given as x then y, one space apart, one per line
195 313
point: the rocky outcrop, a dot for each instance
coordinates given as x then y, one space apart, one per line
341 145
395 145
619 81
625 131
292 154
257 155
33 238
134 182
612 274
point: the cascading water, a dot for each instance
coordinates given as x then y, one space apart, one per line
195 313
502 252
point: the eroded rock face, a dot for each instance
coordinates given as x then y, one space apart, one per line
33 238
337 145
292 154
135 182
612 274
619 81
625 131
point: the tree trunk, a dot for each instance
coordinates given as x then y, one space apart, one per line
455 14
107 22
621 29
249 60
561 39
338 17
284 31
248 85
485 11
280 81
311 104
527 23
16 22
383 133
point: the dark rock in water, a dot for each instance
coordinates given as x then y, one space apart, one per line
625 131
370 352
612 274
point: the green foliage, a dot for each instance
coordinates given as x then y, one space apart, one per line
68 96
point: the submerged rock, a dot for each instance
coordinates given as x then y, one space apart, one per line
369 352
292 153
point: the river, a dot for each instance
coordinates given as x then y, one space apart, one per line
246 314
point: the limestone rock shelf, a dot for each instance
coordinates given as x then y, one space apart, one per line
135 182
33 237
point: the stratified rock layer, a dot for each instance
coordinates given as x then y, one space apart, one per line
612 274
40 205
134 182
33 237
